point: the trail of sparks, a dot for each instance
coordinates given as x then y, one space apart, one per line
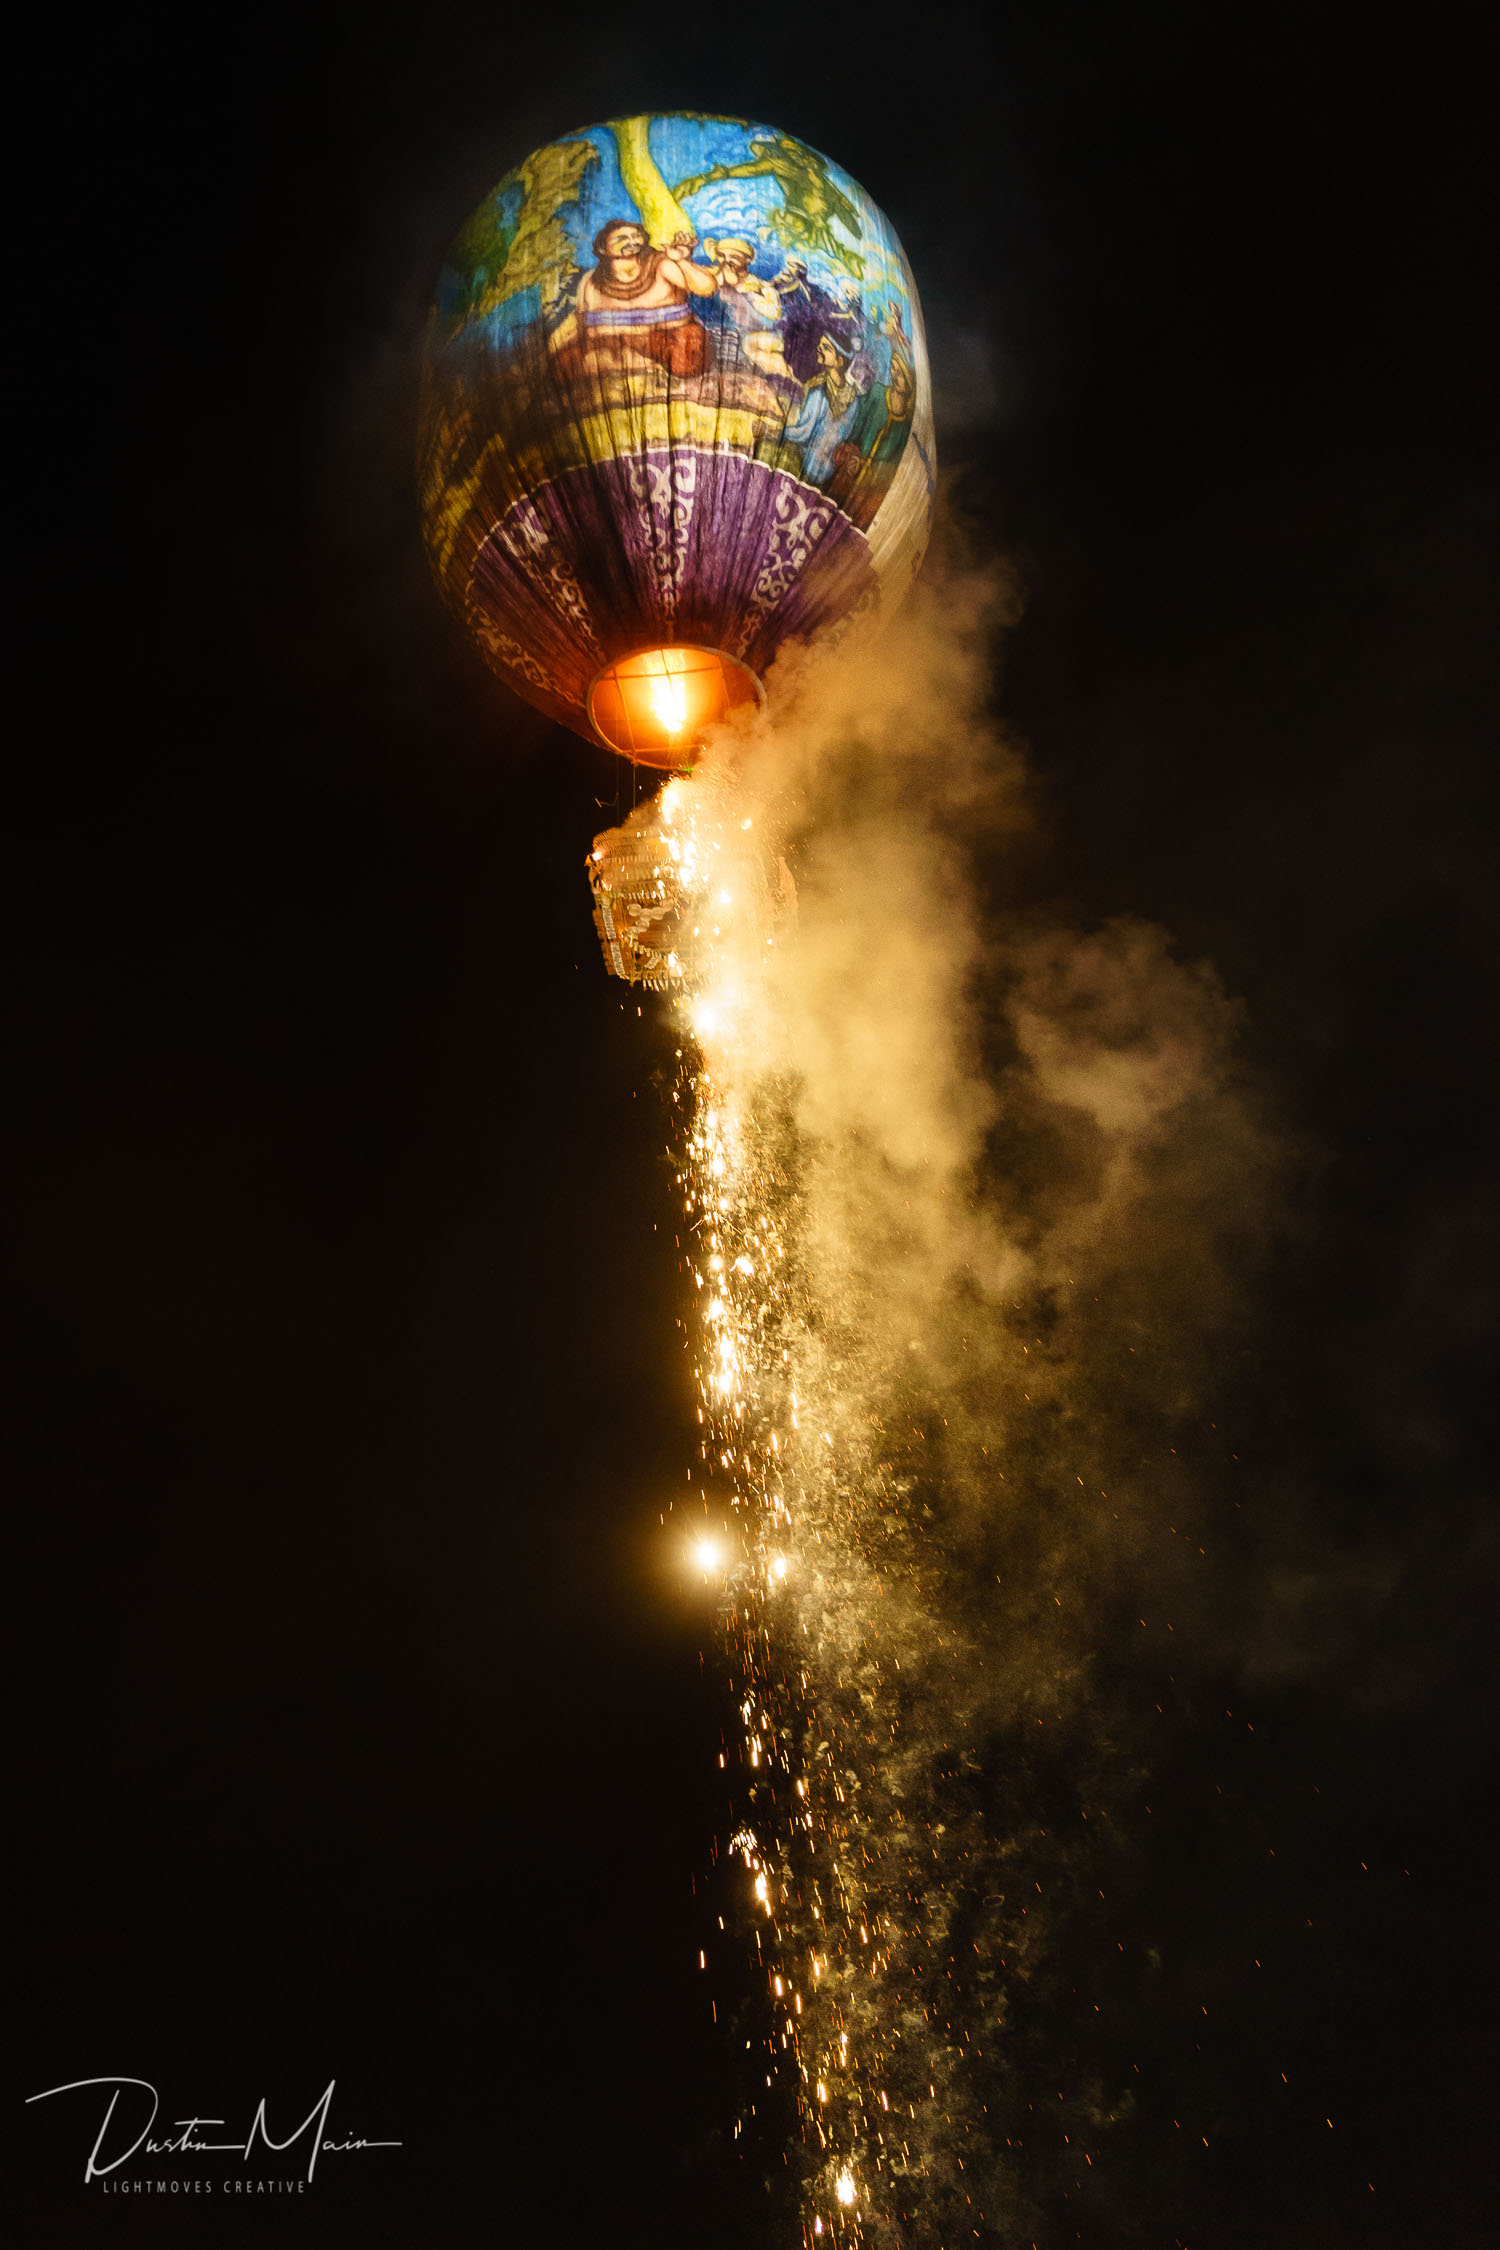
817 1615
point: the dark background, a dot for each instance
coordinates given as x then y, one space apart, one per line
363 1723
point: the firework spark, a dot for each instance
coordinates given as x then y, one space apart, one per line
814 1636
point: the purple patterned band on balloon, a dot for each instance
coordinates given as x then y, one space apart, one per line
642 550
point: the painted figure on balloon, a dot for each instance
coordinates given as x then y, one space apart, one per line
635 304
846 317
807 313
868 460
749 308
893 328
826 416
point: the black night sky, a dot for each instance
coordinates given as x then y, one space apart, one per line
363 1725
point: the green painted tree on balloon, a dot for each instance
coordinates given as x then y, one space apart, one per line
812 200
508 247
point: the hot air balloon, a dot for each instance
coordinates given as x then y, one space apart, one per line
675 416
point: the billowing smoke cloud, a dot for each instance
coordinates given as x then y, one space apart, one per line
1037 1183
1029 1193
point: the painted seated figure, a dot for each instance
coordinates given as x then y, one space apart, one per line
635 304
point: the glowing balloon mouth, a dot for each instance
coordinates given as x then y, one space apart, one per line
656 707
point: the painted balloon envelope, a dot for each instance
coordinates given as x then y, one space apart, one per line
675 417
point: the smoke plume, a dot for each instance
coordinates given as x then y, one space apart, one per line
1021 1186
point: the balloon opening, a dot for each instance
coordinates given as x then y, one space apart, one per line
656 707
